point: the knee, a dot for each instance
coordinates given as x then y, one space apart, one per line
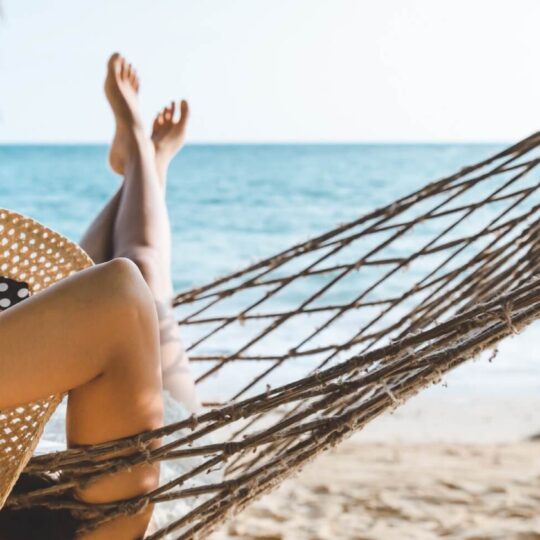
131 320
147 260
122 268
126 294
123 277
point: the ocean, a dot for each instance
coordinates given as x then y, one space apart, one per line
233 204
230 204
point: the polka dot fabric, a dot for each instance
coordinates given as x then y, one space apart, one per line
12 292
32 257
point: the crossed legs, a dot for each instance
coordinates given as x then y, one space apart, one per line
135 222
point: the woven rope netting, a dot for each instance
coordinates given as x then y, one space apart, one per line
296 352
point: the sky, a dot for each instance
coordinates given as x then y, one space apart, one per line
277 70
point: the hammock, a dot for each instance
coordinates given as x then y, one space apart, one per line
384 306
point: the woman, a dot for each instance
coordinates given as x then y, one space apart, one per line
97 334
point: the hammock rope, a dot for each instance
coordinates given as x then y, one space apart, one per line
384 306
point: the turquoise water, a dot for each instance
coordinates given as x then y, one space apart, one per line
231 204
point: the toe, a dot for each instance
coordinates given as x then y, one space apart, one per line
184 108
131 76
123 68
167 114
180 126
114 61
114 65
184 113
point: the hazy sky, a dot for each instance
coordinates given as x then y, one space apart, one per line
277 70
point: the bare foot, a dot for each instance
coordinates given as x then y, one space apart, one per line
121 89
168 135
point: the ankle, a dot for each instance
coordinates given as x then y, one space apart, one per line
139 144
139 137
162 167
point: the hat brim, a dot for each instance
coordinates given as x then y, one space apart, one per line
40 257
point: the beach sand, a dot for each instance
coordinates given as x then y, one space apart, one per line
378 491
451 465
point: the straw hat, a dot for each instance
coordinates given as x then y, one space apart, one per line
32 257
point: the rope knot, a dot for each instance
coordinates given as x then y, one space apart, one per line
229 449
193 422
507 317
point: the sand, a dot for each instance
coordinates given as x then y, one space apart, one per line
378 491
458 461
451 463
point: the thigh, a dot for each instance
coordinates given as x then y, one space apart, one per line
95 336
63 337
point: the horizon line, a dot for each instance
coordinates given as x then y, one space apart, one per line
276 142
